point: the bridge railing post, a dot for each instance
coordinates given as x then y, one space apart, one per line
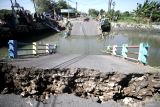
143 53
109 49
34 47
52 48
12 51
47 48
114 50
125 50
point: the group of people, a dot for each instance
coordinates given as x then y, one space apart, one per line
22 17
25 17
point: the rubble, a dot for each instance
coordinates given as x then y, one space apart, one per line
86 83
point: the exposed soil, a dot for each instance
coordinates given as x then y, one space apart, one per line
86 83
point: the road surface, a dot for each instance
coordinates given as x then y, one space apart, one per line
63 100
104 63
81 28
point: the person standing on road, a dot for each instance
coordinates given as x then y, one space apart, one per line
68 27
105 26
102 23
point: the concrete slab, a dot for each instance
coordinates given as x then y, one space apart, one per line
63 100
104 63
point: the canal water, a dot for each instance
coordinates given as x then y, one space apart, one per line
94 44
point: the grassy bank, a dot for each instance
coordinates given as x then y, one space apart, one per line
3 52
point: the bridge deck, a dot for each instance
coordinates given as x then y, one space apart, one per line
104 63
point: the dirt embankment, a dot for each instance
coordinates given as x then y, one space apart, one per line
86 83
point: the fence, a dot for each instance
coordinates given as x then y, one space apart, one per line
29 49
126 51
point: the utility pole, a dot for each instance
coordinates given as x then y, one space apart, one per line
113 4
76 6
76 9
54 4
109 5
68 9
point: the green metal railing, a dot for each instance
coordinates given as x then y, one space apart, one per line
125 50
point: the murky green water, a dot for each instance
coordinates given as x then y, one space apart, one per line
94 45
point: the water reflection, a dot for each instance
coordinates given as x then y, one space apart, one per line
94 44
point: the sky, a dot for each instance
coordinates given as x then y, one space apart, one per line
83 5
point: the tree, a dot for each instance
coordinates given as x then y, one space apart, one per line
61 4
149 9
93 12
43 5
50 6
110 14
3 12
102 12
126 14
117 13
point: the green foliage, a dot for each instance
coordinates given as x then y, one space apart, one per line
3 12
102 12
126 14
110 14
93 12
129 19
147 12
149 9
61 4
117 13
50 6
43 5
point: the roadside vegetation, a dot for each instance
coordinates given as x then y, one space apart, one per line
50 5
3 12
145 13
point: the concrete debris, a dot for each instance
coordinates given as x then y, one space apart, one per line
86 83
128 101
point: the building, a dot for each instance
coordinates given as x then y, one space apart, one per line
68 13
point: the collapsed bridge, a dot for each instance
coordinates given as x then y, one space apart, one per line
40 84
